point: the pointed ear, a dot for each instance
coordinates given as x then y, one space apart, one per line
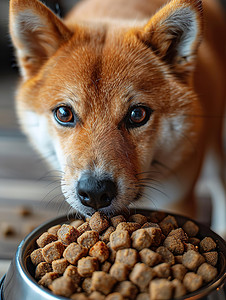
174 34
36 34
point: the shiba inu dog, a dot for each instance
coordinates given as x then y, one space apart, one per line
126 98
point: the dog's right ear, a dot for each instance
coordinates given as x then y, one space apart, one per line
36 34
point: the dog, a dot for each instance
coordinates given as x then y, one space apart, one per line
126 98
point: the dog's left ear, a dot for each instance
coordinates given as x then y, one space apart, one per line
174 34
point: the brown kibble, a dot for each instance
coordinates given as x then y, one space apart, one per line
179 288
45 239
67 234
155 234
143 296
59 265
48 278
74 252
127 256
53 251
88 238
117 219
167 256
162 270
192 281
174 245
189 246
119 271
194 241
141 275
79 296
149 257
190 228
105 267
179 234
42 269
207 244
87 265
63 286
86 285
168 224
72 272
192 260
114 296
100 251
102 282
141 239
77 223
37 257
211 257
54 229
138 218
105 237
120 240
178 271
129 226
207 272
127 289
157 216
96 296
98 222
83 228
161 289
178 259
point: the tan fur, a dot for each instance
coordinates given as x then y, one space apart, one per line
106 56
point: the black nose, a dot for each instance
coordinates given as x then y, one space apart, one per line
94 192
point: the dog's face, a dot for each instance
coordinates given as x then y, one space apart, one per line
105 104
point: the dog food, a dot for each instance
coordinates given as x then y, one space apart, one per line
120 258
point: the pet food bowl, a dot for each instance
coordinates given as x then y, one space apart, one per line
19 284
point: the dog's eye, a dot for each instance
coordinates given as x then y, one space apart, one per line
138 116
64 115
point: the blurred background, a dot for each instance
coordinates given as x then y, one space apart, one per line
29 191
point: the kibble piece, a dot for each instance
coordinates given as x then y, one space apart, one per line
143 296
179 234
167 256
194 241
127 256
63 286
79 296
88 238
119 271
42 269
129 226
102 282
178 259
53 230
179 288
162 270
211 257
207 244
155 234
83 228
114 296
86 285
190 228
117 219
77 223
67 234
138 218
120 240
112 253
100 251
192 281
74 252
72 272
161 289
141 275
127 289
105 237
60 265
37 257
192 260
98 222
174 245
96 296
141 239
168 224
53 251
178 271
106 266
45 239
207 272
157 216
189 246
149 257
48 278
87 265
7 229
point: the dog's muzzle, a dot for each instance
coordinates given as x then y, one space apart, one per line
94 192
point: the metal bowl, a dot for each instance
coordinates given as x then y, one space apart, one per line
19 284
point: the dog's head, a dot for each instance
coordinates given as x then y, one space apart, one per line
107 102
